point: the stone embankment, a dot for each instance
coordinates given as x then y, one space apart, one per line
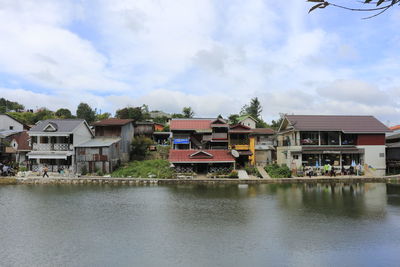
153 181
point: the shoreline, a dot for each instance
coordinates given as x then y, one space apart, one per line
155 181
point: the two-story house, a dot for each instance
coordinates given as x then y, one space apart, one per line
54 141
315 140
10 129
265 152
121 128
200 145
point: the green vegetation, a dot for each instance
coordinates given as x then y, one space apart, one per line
6 105
233 174
252 170
140 145
276 171
84 111
145 169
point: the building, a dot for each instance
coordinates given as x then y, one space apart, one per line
10 128
100 154
393 152
313 140
265 152
144 128
54 141
200 145
241 140
20 146
121 128
247 121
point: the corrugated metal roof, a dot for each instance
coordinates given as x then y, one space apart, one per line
63 125
112 122
344 123
191 124
184 156
100 142
263 131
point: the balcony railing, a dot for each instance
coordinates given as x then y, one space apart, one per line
240 141
52 147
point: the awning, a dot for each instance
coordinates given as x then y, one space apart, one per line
51 155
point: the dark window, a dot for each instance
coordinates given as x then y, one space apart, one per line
309 138
347 159
310 159
11 127
330 138
333 159
349 139
295 156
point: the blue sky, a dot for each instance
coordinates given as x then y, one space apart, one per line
211 55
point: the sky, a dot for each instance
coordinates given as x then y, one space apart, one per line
211 55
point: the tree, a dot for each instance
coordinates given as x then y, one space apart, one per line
6 105
44 114
233 119
84 111
187 112
139 147
254 109
103 116
177 116
379 6
135 114
63 113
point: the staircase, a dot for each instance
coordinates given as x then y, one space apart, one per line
196 142
243 174
263 173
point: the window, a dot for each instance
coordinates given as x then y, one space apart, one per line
295 156
310 159
381 155
349 139
347 159
330 138
309 138
333 159
11 127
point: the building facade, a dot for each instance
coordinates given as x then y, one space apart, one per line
342 141
54 141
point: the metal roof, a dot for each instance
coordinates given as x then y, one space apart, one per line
216 156
112 122
100 142
344 123
63 125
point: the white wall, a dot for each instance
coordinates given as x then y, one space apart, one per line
249 123
6 122
372 157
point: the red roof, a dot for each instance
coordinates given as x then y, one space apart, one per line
239 128
196 156
394 128
191 124
112 122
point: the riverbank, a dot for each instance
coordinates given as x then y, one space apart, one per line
154 181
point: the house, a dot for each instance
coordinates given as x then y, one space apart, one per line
158 127
9 128
241 140
144 128
265 152
21 146
121 128
342 141
54 141
247 121
393 152
200 145
100 154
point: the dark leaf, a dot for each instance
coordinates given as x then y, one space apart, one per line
393 2
367 1
380 2
316 1
321 5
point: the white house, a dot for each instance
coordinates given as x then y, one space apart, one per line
247 121
54 142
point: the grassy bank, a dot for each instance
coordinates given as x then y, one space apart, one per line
276 171
145 169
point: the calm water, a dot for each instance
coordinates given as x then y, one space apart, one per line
257 225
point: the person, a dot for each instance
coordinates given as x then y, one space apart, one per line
343 171
326 167
45 170
310 172
329 169
5 170
358 168
333 173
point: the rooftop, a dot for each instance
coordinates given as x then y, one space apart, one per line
112 122
344 123
100 142
191 124
200 156
61 125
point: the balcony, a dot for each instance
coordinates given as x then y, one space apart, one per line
264 145
52 147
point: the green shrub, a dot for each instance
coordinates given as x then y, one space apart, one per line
276 171
23 169
139 147
233 174
84 170
143 169
100 173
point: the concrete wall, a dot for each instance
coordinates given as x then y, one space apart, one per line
6 122
81 134
127 135
375 156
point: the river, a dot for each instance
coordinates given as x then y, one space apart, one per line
197 225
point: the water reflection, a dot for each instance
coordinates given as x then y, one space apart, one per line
393 194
